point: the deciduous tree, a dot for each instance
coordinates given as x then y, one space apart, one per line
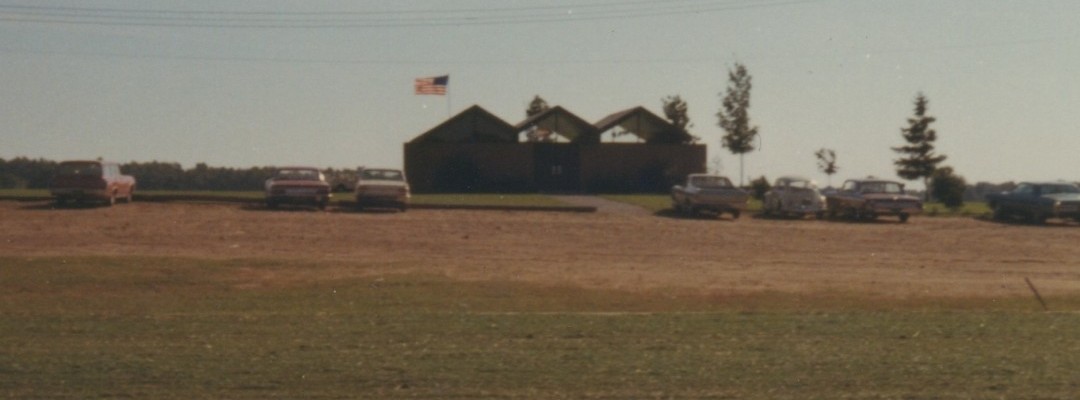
826 161
675 109
734 115
948 187
536 106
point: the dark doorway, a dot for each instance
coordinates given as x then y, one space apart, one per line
558 167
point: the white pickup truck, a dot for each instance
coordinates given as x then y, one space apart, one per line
707 192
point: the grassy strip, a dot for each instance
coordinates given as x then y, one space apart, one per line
969 209
513 200
651 202
169 328
660 202
508 200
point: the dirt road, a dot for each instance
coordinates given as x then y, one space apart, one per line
928 257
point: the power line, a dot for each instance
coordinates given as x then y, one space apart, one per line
164 18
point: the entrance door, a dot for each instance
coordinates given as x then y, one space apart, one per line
558 167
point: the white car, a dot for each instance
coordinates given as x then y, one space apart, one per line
794 196
382 187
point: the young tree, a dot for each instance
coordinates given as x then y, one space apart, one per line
675 109
759 186
918 159
735 118
948 187
826 162
536 106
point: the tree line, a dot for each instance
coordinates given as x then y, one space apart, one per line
27 173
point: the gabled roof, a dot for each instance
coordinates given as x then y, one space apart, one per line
645 125
563 123
474 125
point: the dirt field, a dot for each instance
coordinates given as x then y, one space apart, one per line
926 258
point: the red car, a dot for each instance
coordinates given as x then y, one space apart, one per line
91 181
298 185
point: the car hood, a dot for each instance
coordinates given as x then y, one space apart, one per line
304 184
1063 196
889 196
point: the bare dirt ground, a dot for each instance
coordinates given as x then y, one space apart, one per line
927 257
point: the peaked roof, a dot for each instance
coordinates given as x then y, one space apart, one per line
645 125
563 123
474 125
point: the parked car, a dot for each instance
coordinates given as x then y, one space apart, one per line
871 198
1037 201
382 187
298 185
91 181
706 192
794 195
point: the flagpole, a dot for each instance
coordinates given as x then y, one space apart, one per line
448 115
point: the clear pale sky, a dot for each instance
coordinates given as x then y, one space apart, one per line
329 83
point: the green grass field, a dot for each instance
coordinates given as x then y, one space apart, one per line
162 328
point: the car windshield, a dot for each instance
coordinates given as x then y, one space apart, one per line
296 174
881 187
802 184
79 169
710 181
382 174
1054 189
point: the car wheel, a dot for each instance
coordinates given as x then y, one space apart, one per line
1038 218
999 213
735 214
61 201
271 204
819 215
403 207
904 217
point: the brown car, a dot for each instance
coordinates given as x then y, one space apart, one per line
871 198
298 185
83 181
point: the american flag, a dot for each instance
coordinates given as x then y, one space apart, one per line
434 85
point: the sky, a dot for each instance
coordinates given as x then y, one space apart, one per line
243 83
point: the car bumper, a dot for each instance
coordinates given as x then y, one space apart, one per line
376 201
299 199
804 209
68 193
888 210
720 207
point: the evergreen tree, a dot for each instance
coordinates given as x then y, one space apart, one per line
735 118
918 159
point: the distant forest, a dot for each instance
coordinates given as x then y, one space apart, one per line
26 173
